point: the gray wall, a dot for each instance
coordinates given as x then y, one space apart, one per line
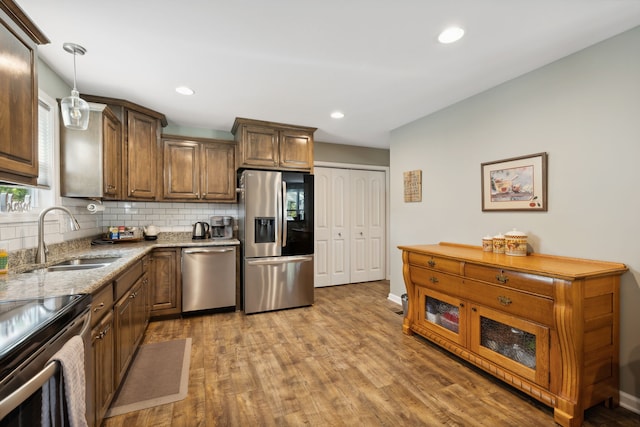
584 111
339 153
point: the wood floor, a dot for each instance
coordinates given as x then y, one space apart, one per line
342 362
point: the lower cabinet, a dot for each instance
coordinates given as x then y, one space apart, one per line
166 298
102 344
117 330
130 312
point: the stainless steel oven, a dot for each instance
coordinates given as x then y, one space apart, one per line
31 332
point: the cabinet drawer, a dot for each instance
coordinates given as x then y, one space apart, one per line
516 303
124 282
435 280
436 263
533 283
101 303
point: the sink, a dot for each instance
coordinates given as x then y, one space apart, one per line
67 267
87 261
82 264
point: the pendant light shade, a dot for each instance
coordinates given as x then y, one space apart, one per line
74 110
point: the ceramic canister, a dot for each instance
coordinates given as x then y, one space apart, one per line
498 244
487 244
515 243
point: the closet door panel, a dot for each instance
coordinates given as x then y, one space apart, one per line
359 226
376 225
340 225
322 227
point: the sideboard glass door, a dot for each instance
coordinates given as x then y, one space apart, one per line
514 343
443 314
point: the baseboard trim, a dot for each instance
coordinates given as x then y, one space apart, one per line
630 402
395 298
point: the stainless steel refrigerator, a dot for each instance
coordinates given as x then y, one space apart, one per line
276 235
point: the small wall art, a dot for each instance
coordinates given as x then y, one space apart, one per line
516 184
413 186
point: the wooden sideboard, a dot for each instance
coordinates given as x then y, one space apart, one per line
546 325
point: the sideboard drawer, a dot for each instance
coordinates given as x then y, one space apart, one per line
440 282
520 304
436 263
533 283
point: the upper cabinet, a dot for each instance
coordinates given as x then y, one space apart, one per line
19 38
269 145
140 152
90 160
198 169
140 147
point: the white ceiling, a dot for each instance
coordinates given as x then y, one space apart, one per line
296 61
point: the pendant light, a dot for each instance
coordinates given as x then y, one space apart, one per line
75 110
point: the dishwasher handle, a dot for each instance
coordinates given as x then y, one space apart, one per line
209 250
279 260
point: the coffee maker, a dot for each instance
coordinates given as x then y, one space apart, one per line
221 227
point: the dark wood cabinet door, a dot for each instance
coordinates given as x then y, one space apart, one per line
296 150
218 172
112 145
103 367
165 283
181 169
124 335
18 105
259 146
141 149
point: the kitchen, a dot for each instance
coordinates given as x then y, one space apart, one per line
397 284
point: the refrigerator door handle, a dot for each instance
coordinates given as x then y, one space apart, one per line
284 213
279 260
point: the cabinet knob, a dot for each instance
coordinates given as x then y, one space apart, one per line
431 263
501 278
461 304
339 234
433 279
474 309
99 307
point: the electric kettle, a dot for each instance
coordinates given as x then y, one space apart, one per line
200 230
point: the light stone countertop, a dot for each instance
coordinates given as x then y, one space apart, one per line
41 283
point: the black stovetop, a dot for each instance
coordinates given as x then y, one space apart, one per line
27 324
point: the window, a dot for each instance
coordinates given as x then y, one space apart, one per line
15 199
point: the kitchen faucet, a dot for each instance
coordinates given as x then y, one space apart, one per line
41 252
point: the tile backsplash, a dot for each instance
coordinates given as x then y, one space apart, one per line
20 231
169 217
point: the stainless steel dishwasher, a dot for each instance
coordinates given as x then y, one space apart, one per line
208 278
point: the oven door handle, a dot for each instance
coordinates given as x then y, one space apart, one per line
15 399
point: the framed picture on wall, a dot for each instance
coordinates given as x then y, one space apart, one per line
516 184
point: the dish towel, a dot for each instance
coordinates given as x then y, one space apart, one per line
71 359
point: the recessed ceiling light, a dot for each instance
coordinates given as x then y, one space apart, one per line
337 115
183 90
450 35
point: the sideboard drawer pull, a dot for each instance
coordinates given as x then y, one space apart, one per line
504 300
431 263
433 279
501 278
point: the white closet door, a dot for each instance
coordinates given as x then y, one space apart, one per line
376 225
359 226
340 253
322 226
350 224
